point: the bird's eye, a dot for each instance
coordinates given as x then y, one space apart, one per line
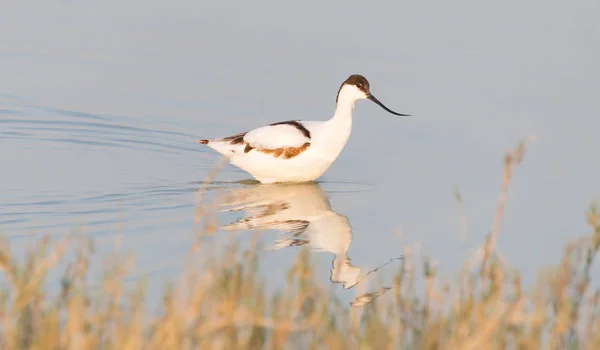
359 85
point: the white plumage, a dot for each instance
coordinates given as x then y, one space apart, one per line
296 151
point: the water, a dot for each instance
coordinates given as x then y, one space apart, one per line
100 107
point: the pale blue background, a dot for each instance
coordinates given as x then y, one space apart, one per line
101 103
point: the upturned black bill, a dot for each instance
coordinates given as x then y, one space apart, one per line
372 98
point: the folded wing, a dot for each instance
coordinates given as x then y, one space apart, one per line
278 135
284 139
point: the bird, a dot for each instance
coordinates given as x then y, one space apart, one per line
294 150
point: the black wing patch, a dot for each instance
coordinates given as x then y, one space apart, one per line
296 124
235 139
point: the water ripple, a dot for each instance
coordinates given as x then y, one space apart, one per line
82 128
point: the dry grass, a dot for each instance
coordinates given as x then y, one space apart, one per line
222 304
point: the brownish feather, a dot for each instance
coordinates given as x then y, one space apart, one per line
235 139
287 152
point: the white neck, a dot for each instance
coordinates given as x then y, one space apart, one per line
337 129
343 109
346 98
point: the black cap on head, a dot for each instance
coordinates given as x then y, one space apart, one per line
363 85
357 80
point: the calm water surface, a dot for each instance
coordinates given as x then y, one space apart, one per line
100 107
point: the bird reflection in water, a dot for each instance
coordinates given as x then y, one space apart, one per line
304 215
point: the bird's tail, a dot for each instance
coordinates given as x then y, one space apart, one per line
223 146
